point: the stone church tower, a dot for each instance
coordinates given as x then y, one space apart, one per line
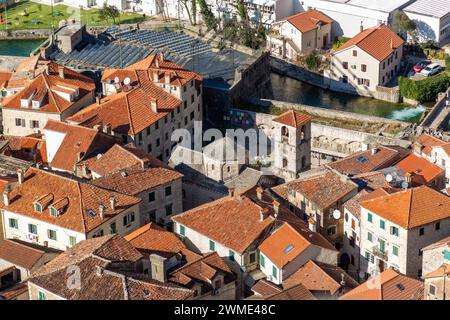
291 136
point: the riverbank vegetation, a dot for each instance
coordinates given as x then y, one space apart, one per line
426 89
30 15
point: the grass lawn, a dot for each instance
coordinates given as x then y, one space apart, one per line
22 15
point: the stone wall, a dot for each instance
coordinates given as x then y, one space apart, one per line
331 140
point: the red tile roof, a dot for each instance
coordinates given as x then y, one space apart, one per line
293 118
4 78
122 157
80 198
378 42
423 172
308 20
79 143
426 142
322 189
388 285
46 84
23 254
232 221
365 161
288 242
133 181
411 208
100 279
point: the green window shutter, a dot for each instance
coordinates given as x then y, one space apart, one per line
41 295
382 224
369 236
212 245
382 245
446 255
72 240
262 260
274 272
369 217
32 229
13 223
395 251
182 230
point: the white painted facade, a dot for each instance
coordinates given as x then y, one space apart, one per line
63 235
442 159
407 258
432 19
350 15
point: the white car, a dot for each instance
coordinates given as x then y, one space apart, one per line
431 70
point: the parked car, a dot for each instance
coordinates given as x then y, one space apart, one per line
421 65
431 70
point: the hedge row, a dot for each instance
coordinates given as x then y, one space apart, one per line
426 89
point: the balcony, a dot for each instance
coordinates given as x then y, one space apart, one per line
383 255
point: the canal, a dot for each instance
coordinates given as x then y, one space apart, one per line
291 90
20 48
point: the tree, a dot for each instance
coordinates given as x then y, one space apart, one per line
108 12
194 11
186 6
207 15
241 10
404 26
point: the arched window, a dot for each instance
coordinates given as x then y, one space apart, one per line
285 163
303 132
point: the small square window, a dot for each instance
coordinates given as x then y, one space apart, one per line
421 231
151 197
437 226
168 191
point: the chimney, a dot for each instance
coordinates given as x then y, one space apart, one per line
20 176
408 178
259 192
157 61
112 202
154 105
342 280
263 213
98 127
373 151
276 206
158 268
107 129
392 43
101 211
231 192
99 271
61 71
98 99
6 198
167 78
155 76
361 28
46 69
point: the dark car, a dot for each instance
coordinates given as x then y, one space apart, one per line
421 65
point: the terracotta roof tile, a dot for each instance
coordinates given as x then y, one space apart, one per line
265 288
82 198
322 189
439 272
133 181
378 42
365 161
423 172
233 221
318 276
308 20
286 243
23 254
389 285
441 243
297 292
426 143
99 254
411 208
119 157
46 85
79 143
293 118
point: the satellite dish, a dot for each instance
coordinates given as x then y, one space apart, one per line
433 159
336 214
404 185
389 178
127 81
116 80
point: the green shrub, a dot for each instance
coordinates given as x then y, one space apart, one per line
312 62
424 90
447 62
